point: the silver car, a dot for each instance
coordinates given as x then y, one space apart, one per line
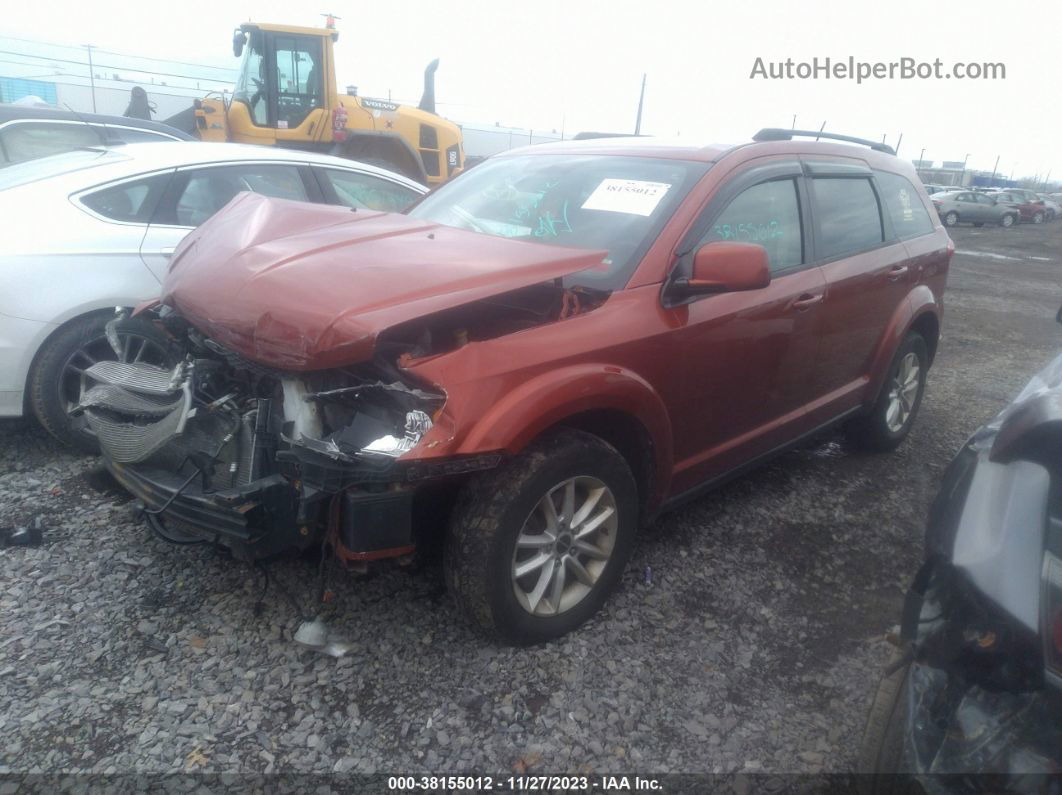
89 230
955 207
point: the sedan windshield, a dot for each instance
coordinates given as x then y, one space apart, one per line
608 202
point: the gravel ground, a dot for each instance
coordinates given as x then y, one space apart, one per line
756 646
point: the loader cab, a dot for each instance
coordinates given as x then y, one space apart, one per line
282 92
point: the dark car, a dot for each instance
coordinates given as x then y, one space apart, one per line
977 687
1028 204
27 133
568 340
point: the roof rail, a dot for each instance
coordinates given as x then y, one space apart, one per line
781 134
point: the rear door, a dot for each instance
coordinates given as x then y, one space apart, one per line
867 275
197 192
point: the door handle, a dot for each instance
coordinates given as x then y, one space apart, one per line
805 301
896 272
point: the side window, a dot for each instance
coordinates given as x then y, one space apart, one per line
210 189
367 192
30 140
298 79
767 214
908 214
130 201
848 216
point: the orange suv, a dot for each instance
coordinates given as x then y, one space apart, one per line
534 361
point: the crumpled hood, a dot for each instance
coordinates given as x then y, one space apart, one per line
302 286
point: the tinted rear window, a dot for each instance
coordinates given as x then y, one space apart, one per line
847 214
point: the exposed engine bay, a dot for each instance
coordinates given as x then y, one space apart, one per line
260 460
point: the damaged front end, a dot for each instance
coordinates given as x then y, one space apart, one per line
982 623
261 460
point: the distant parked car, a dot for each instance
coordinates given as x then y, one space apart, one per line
931 189
27 133
89 230
1053 206
1030 209
976 208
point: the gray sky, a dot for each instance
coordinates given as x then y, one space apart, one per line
578 64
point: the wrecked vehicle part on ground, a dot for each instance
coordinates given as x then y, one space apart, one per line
979 689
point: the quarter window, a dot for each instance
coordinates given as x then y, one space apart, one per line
767 214
849 219
908 214
130 201
30 140
366 192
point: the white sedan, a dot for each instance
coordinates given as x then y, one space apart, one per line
88 230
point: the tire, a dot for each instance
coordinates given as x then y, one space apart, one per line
481 559
951 219
881 429
53 381
979 224
1007 221
1038 218
882 746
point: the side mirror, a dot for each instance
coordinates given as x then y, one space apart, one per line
238 38
725 267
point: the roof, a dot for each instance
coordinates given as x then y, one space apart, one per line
128 160
689 149
13 112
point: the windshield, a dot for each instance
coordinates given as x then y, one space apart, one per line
54 165
585 201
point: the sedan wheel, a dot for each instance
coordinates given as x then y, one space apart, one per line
1006 221
1038 218
952 218
564 546
55 381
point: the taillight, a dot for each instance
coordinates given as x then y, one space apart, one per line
1052 629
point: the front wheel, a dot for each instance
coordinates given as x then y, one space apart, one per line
1006 221
894 411
881 751
536 546
55 380
951 219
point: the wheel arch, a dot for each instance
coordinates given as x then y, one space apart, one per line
611 402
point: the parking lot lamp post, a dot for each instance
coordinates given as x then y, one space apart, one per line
994 169
962 176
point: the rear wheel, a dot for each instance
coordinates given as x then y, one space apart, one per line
55 380
951 219
894 411
537 545
1007 221
1038 218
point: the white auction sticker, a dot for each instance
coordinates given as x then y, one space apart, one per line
633 196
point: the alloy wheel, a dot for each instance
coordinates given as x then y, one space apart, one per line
564 546
134 348
902 392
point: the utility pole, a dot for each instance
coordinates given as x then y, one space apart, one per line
823 127
994 169
962 176
641 99
794 122
92 77
898 142
1047 179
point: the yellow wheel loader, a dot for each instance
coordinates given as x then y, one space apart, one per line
286 96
